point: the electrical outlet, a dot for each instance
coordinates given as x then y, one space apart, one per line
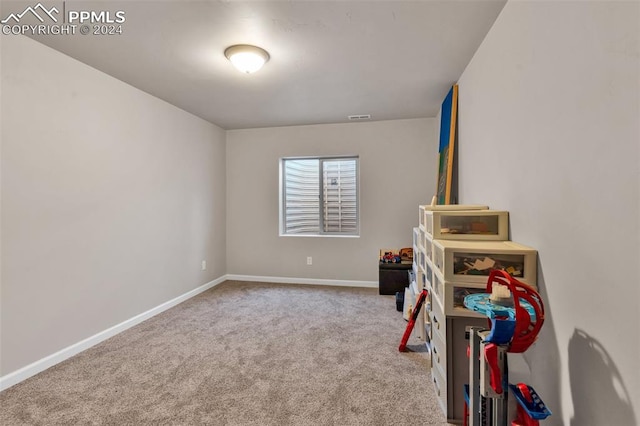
204 265
309 260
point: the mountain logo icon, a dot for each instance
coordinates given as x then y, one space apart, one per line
38 11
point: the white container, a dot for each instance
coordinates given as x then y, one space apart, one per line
422 238
440 386
421 278
450 296
454 295
428 246
472 261
422 209
422 259
429 275
437 288
437 317
468 225
439 351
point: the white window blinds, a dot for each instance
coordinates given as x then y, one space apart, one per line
320 196
301 196
339 196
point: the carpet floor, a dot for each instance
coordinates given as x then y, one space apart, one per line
243 354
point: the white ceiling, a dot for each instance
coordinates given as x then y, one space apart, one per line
329 59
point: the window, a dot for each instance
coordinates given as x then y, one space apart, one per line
319 196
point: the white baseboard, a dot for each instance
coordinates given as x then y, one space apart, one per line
24 373
315 281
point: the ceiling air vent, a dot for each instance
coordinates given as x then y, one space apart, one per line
360 117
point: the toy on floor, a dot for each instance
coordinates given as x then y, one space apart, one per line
530 406
516 313
412 321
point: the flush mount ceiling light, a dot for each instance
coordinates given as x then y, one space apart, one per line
246 58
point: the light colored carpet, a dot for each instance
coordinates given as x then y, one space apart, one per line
243 354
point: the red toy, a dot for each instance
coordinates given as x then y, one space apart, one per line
412 320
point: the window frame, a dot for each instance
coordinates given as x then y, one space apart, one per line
282 200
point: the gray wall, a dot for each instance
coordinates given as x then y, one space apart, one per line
111 199
549 110
398 166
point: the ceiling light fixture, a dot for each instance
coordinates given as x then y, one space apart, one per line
246 58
